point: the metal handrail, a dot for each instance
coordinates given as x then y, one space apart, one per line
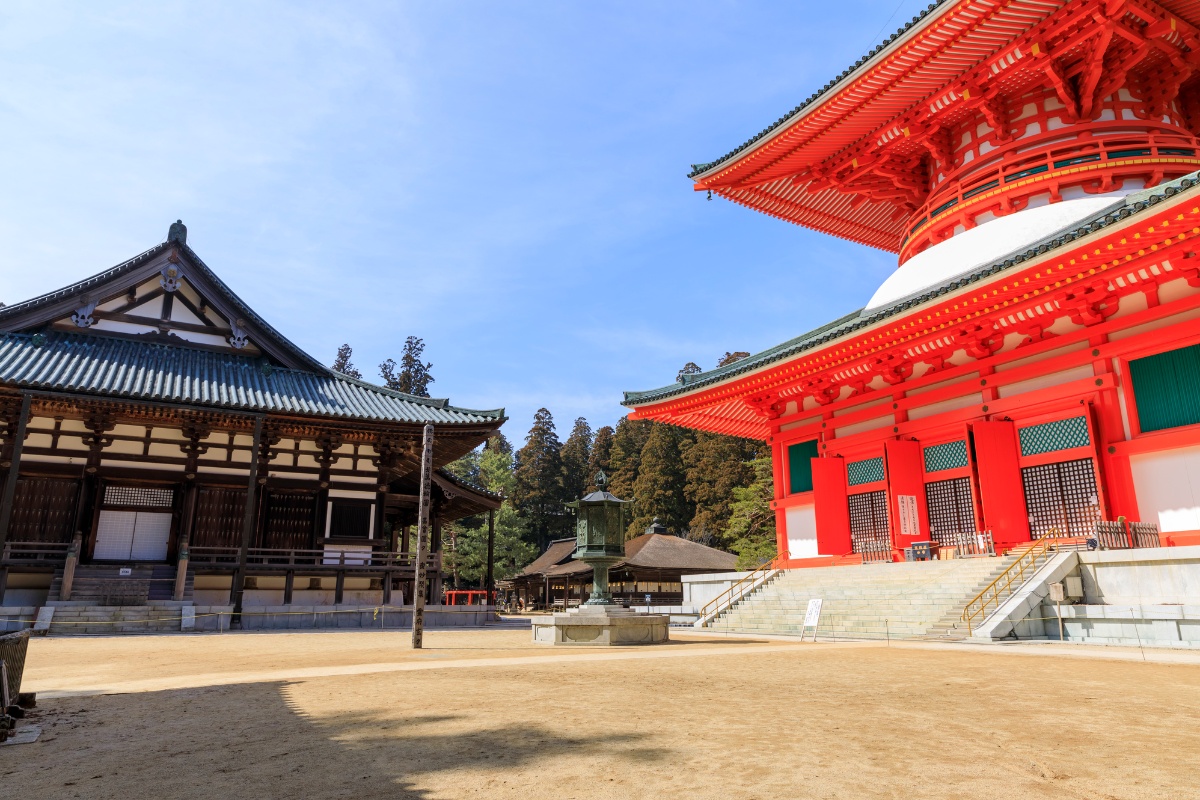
1027 561
761 570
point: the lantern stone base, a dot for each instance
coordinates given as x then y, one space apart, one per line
601 626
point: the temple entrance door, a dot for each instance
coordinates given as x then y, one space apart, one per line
1061 498
134 524
132 536
869 534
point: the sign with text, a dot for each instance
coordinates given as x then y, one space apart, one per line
910 521
813 615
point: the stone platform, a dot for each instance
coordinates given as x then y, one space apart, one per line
601 626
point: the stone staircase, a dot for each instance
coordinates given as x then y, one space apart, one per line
103 584
904 600
103 601
73 618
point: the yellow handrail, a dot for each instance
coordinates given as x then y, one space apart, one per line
1027 561
763 568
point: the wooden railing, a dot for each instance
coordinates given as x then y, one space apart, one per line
1007 582
740 589
331 559
34 553
1122 535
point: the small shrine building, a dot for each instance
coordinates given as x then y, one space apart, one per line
153 427
1032 366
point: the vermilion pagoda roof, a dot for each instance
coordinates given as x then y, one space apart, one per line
746 423
807 166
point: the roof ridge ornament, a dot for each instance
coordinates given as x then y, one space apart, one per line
177 232
82 316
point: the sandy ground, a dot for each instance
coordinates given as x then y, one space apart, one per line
488 714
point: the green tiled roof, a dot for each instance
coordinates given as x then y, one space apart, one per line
129 369
699 169
1121 209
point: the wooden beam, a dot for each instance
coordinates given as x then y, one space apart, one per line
248 520
418 618
14 471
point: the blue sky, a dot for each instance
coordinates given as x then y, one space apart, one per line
505 180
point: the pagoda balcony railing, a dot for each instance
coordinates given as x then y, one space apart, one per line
34 553
1058 153
333 559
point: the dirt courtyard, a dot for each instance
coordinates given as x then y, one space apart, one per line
487 714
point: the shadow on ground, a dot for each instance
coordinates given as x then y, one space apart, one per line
248 740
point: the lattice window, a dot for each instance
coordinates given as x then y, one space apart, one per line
138 497
1051 437
951 509
1061 499
950 455
868 470
869 526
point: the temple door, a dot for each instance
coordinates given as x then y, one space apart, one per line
1001 493
831 506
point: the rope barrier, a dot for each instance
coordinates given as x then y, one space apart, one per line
376 613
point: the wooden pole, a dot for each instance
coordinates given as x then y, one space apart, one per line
490 581
423 506
14 470
239 577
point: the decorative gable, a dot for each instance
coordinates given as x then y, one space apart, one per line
167 305
166 294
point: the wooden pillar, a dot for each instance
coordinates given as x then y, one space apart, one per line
248 524
387 588
423 508
289 582
14 471
339 587
489 583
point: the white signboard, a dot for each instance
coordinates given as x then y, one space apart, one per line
910 522
813 615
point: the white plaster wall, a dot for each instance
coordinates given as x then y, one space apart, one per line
699 590
1168 488
801 531
1046 381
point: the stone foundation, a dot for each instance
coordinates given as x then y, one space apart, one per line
601 626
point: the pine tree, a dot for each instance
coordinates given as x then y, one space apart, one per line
658 489
601 457
538 492
690 368
729 358
751 529
343 364
715 465
414 376
498 441
576 453
625 458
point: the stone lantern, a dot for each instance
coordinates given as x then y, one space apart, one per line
600 543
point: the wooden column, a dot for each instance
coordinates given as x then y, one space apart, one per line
289 583
248 525
14 471
423 508
489 584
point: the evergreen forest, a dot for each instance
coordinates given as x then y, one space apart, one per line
706 487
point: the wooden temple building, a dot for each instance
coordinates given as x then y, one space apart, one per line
654 564
1032 366
155 429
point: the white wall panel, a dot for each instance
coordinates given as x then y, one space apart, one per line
801 531
1168 488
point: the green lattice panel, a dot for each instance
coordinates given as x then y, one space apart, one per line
1051 437
866 471
950 455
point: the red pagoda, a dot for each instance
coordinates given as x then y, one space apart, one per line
1032 366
